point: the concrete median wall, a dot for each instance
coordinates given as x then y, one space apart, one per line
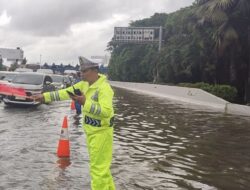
187 95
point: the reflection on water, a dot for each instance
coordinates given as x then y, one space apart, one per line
162 145
158 145
63 163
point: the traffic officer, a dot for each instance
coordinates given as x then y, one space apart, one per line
96 97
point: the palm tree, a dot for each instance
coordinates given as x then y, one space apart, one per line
231 19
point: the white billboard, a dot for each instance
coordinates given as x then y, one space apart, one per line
104 59
136 34
97 57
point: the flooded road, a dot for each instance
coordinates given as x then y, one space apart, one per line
158 145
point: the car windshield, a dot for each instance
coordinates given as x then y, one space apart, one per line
9 77
57 78
28 79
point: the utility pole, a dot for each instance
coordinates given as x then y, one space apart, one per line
160 38
40 61
156 74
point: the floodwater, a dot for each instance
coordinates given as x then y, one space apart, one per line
158 145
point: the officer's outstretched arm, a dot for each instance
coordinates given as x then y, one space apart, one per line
62 94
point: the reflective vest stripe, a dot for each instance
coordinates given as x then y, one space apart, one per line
52 96
92 109
93 122
98 110
57 96
95 96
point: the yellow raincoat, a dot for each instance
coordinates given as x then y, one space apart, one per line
98 119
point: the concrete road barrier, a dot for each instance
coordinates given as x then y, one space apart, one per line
187 95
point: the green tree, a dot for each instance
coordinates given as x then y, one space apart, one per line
1 64
14 66
231 19
24 61
206 42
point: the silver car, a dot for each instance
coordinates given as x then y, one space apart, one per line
61 81
33 83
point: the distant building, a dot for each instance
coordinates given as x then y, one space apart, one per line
11 54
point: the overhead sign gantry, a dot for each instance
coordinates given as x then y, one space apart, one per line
138 35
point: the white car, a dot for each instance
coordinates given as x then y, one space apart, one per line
33 83
44 71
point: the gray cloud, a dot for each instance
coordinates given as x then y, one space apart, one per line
50 27
53 17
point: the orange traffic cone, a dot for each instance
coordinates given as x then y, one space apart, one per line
63 149
72 106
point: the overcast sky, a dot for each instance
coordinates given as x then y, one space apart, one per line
61 30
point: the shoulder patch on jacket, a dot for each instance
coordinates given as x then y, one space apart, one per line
95 96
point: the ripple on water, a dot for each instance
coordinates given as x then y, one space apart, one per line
158 144
170 144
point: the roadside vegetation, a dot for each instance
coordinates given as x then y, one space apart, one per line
207 43
226 92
